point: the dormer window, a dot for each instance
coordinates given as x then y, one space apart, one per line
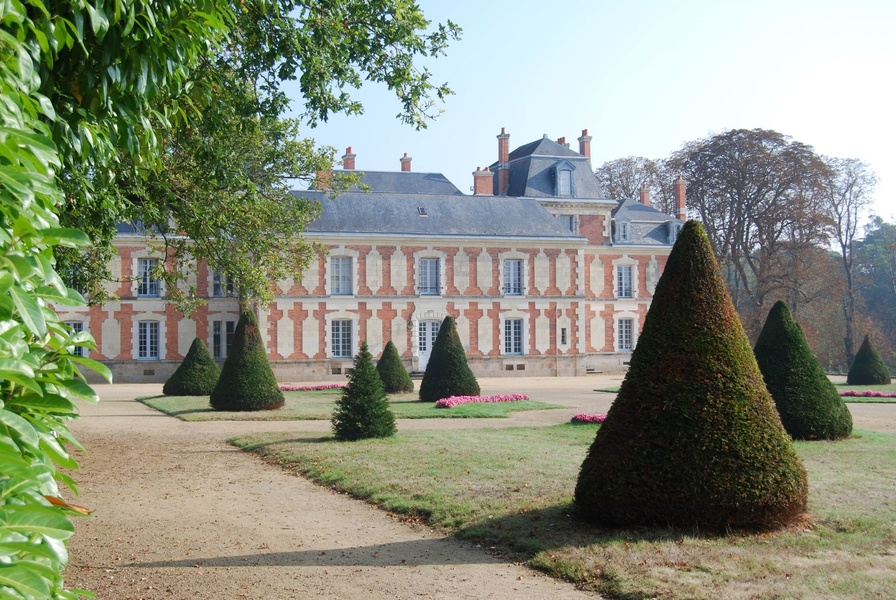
563 183
622 231
674 230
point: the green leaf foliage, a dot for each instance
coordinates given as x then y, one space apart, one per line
363 409
447 372
197 375
693 438
392 372
247 381
809 404
868 367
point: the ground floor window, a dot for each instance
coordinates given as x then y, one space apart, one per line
76 327
341 338
625 339
513 336
148 340
222 338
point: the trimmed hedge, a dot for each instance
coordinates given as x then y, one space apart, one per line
247 381
363 409
196 375
693 438
808 402
392 372
868 367
447 372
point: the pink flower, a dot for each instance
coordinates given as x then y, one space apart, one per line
868 394
452 401
311 388
587 418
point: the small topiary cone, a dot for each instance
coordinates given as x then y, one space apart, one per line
447 372
196 375
247 381
809 404
395 377
363 410
693 438
868 367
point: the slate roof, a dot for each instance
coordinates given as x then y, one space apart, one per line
407 182
399 214
632 210
532 171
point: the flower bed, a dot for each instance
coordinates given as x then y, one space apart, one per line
868 394
586 418
453 401
311 388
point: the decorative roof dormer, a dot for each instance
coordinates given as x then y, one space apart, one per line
564 182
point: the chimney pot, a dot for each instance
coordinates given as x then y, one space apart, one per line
503 162
585 145
406 162
645 195
679 193
483 182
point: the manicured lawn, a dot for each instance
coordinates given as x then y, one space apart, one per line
318 405
510 490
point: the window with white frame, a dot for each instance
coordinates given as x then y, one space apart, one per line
148 340
625 335
624 281
513 277
564 183
341 338
341 275
513 336
221 284
222 338
147 284
76 327
428 277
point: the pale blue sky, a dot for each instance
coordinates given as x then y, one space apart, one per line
644 77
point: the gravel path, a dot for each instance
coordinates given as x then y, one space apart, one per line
181 514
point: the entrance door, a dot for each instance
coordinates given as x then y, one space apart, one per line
426 337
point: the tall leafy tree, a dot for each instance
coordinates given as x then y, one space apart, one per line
77 82
759 195
876 275
624 177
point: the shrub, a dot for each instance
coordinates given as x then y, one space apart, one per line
363 409
196 375
809 405
693 438
868 367
447 372
247 381
392 372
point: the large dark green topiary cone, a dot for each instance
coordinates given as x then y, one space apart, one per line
447 372
247 381
395 377
868 367
196 375
363 410
693 438
809 404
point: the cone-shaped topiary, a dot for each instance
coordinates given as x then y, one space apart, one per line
196 375
247 381
693 438
447 372
868 367
392 372
809 404
363 409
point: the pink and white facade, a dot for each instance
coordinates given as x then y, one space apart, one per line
542 275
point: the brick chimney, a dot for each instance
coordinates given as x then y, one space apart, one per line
483 182
323 180
645 195
585 145
405 162
562 141
681 207
348 159
503 162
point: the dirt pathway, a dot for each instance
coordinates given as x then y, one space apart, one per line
181 514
